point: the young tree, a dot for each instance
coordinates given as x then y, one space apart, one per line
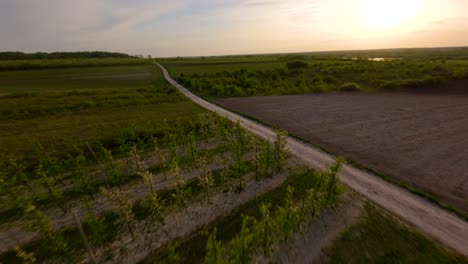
257 157
49 183
161 159
223 159
179 186
265 228
286 215
214 250
122 207
205 178
332 172
111 167
193 152
82 181
266 158
241 245
27 258
238 148
135 160
281 153
35 220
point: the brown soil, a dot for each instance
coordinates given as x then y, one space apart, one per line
416 137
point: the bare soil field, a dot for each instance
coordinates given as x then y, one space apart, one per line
418 137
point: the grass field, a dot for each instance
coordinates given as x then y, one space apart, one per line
62 108
314 73
14 65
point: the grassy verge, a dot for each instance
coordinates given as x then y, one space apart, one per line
380 239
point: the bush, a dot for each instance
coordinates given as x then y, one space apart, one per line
296 65
349 87
388 85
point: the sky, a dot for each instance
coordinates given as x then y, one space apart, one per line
220 27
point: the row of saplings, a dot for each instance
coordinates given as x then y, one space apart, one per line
98 230
258 236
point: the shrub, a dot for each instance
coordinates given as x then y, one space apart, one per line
349 87
296 65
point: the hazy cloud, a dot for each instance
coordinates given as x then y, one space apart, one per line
203 27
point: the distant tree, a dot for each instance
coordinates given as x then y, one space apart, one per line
60 55
296 65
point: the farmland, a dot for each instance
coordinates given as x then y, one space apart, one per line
417 138
114 152
108 163
404 94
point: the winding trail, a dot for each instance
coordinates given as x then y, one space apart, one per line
428 218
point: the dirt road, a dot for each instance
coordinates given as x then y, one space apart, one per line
437 223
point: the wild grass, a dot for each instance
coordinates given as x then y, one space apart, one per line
62 108
378 238
311 74
15 65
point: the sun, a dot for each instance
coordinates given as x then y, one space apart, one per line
389 13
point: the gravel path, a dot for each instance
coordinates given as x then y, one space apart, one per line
437 223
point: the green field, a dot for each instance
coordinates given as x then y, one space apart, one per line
14 65
61 108
317 72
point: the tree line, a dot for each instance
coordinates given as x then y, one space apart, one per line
16 55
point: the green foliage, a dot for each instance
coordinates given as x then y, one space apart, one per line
296 65
241 244
349 87
281 152
214 250
332 174
122 207
205 178
95 227
265 228
26 258
238 147
172 257
279 74
287 217
267 157
257 235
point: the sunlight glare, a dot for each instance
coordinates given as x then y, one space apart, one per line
389 13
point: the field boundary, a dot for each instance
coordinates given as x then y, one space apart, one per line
446 227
